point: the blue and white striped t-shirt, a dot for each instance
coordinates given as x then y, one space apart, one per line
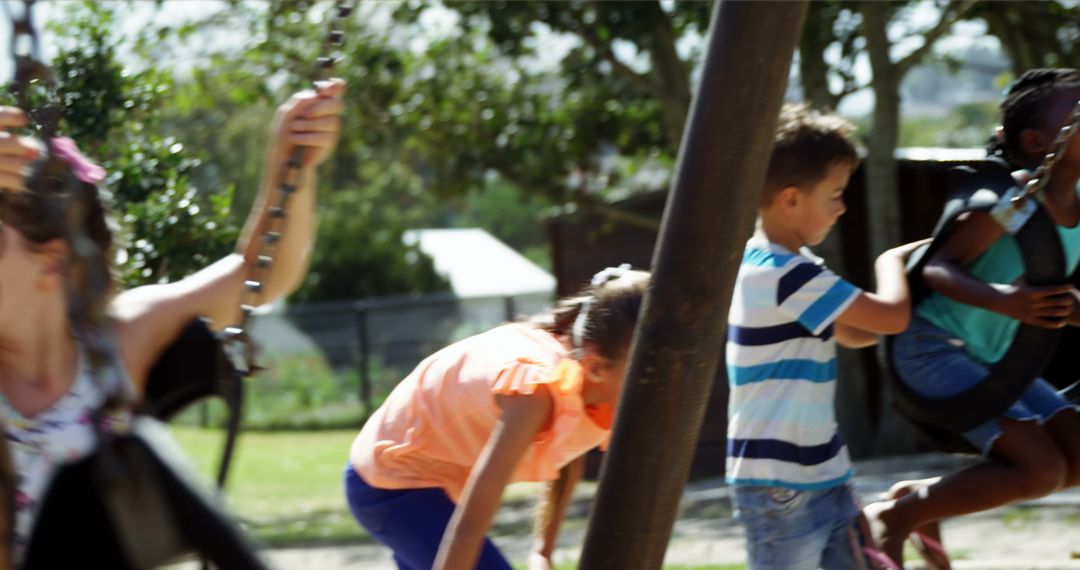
781 363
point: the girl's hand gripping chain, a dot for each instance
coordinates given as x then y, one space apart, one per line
16 152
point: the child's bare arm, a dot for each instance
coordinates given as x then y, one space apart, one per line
852 337
16 153
887 310
551 511
522 418
946 273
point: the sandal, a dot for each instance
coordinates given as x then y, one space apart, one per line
931 550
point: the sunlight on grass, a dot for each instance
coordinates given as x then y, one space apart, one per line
285 486
1019 516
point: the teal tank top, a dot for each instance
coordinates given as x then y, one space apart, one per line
986 333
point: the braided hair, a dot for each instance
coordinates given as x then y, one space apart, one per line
1024 104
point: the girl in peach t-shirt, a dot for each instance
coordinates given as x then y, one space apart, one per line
517 403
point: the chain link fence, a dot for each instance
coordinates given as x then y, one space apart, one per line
332 364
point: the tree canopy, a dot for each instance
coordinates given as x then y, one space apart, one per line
467 112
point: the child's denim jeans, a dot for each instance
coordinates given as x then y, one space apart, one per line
800 530
936 364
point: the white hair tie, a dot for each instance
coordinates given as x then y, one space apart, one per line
577 332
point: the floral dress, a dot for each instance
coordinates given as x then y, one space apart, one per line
61 434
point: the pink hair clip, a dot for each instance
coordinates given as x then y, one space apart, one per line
83 168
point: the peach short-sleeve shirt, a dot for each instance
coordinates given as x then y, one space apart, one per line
435 423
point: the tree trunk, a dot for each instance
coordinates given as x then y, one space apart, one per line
858 427
997 25
882 197
672 76
883 204
1029 33
813 70
681 330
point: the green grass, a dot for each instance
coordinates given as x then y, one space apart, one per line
284 486
1019 516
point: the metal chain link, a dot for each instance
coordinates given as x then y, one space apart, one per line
87 279
1041 177
28 69
237 339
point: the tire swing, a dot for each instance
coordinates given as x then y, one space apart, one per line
131 503
990 188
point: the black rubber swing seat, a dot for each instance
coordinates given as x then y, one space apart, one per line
193 368
979 188
132 503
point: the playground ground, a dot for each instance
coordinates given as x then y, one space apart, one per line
1043 534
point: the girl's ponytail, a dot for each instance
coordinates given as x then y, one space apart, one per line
603 314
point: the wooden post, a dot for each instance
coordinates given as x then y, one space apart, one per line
680 336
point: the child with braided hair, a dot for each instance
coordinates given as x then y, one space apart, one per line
517 403
966 324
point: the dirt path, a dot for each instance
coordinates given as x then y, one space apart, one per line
1043 535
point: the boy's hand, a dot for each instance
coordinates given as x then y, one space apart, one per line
904 251
1045 307
311 119
16 153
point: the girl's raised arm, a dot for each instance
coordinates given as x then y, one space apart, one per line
150 317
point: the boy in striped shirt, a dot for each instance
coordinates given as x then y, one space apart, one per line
786 460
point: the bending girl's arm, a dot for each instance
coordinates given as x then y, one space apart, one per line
886 311
522 418
550 512
1040 306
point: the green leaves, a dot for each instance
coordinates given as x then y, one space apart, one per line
168 229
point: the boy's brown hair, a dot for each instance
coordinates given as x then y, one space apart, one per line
807 143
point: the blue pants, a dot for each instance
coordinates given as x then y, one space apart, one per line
799 530
937 365
410 521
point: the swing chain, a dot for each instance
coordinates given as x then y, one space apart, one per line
1041 176
28 70
87 280
238 343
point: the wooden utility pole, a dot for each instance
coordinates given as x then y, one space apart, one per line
680 336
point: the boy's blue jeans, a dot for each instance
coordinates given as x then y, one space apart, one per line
410 521
800 530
